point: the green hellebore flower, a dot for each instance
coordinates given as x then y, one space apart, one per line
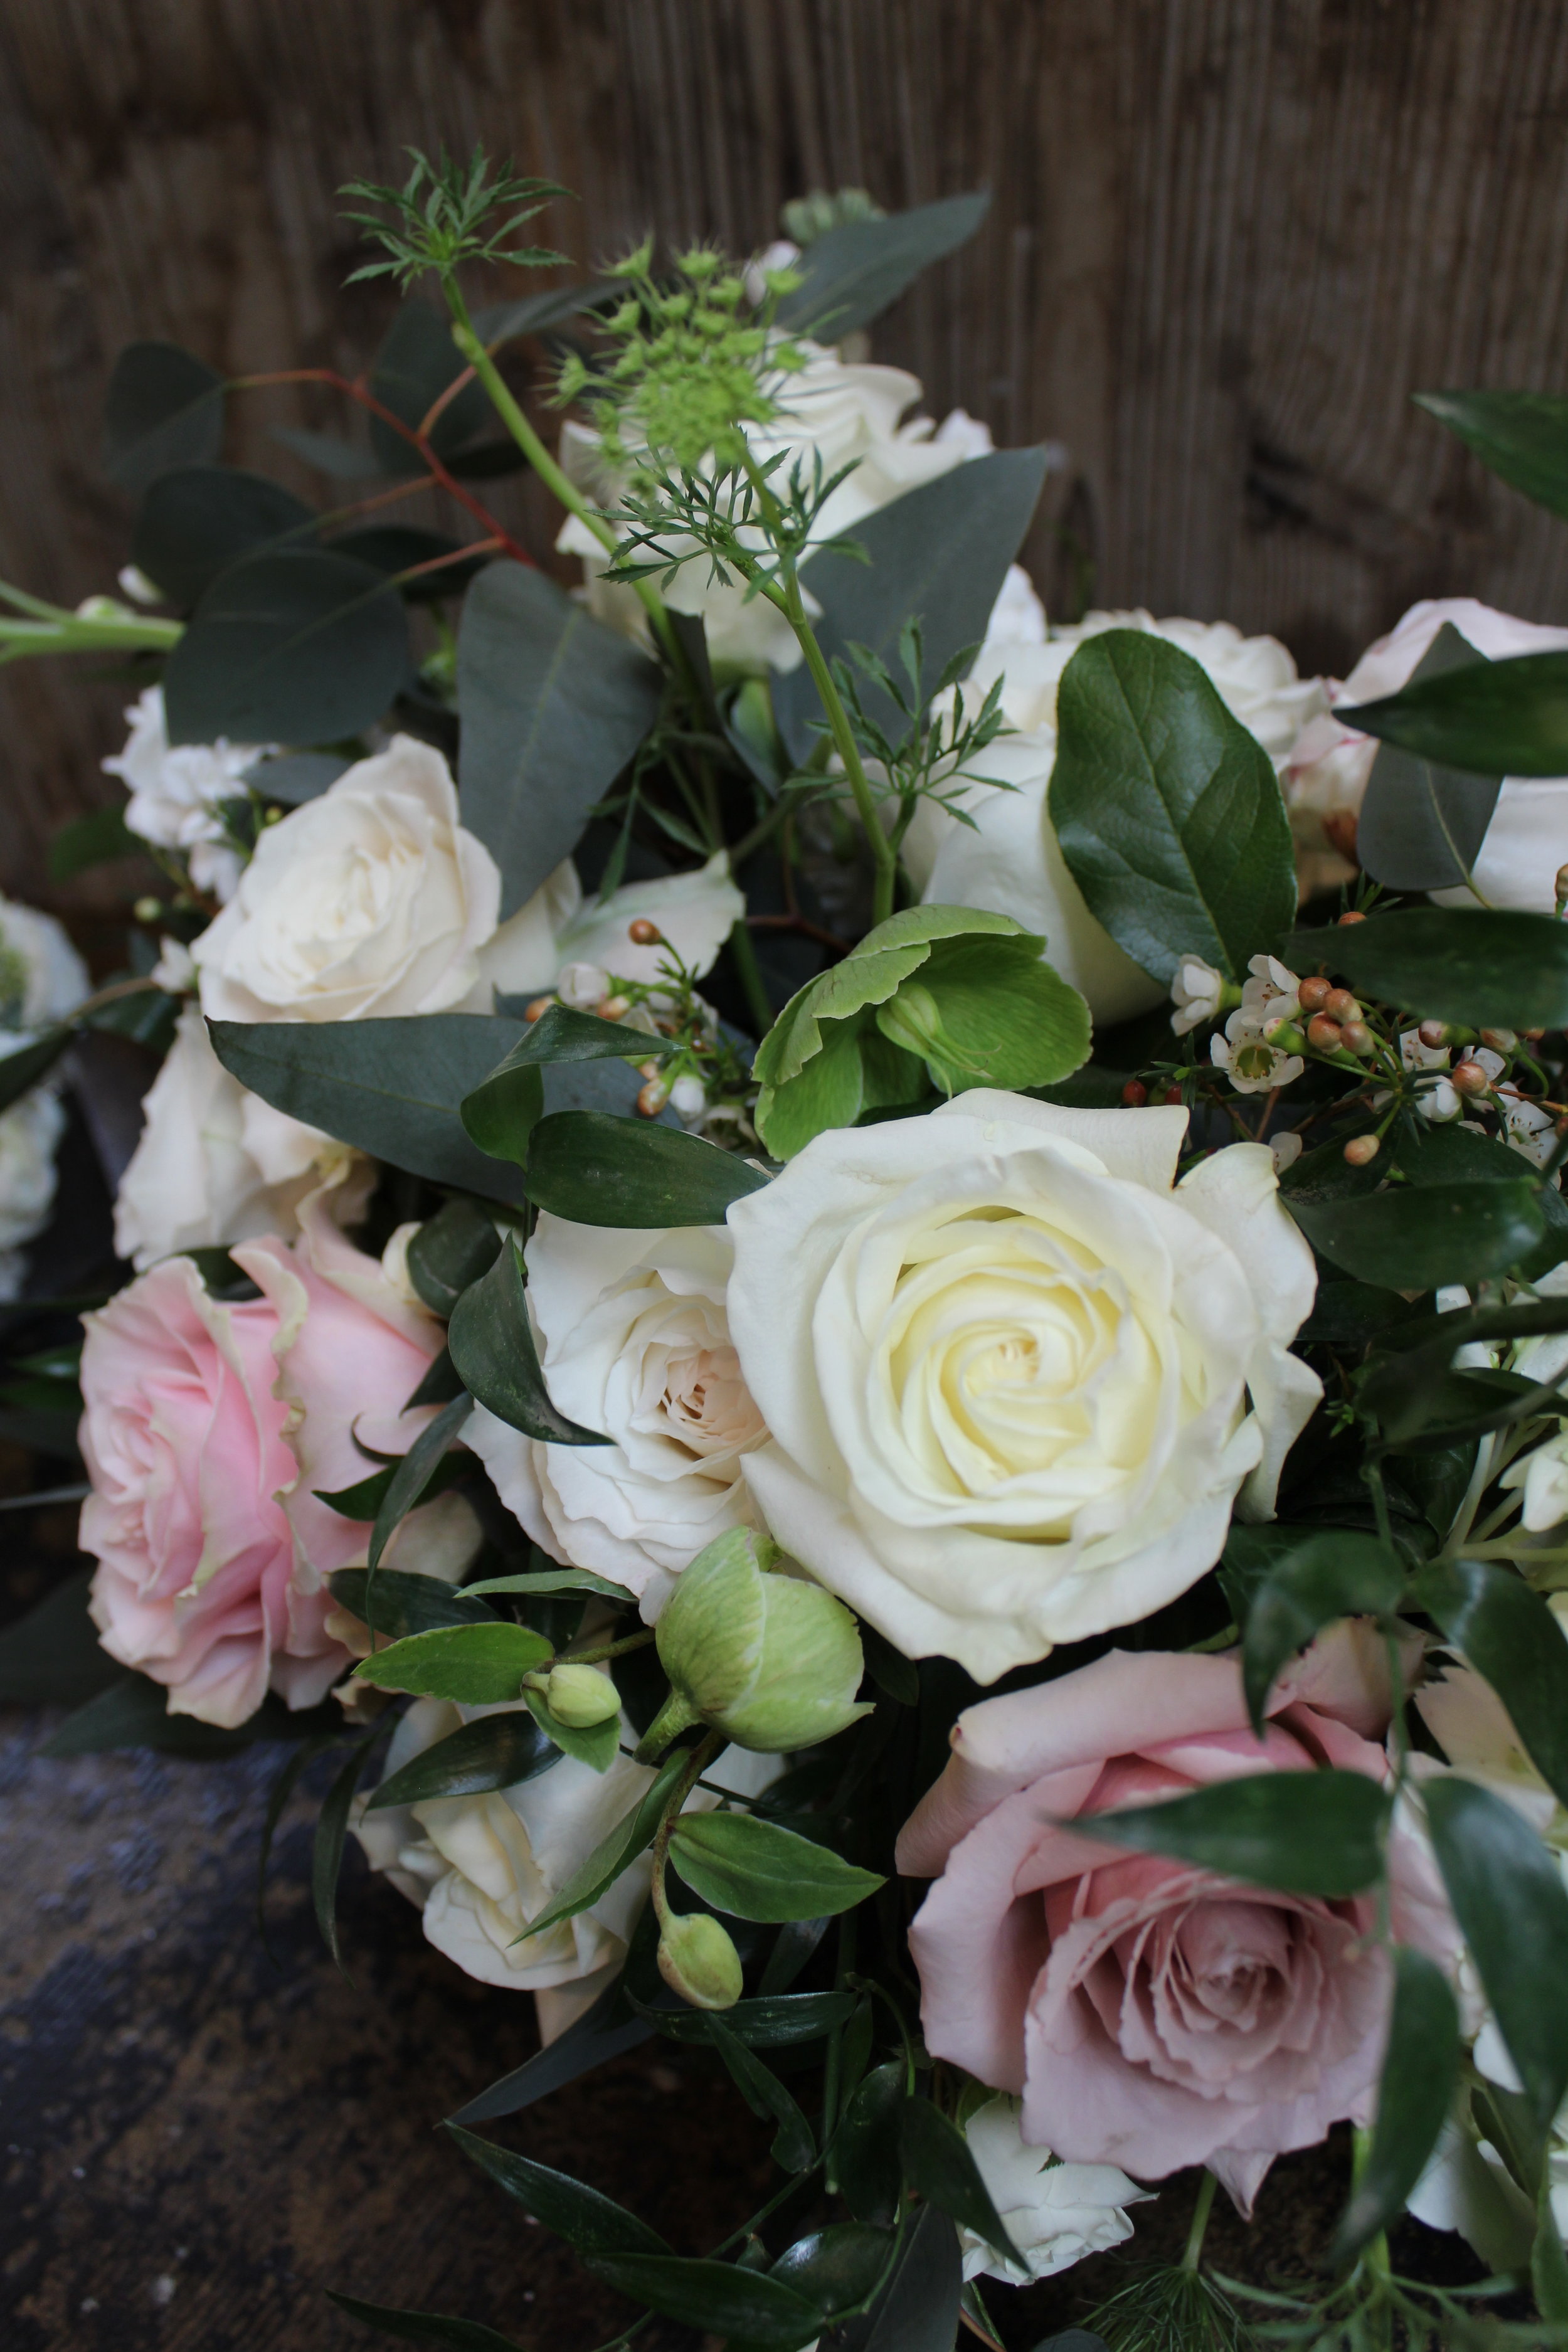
768 1659
698 1960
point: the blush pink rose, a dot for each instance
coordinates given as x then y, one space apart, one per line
206 1426
1151 2015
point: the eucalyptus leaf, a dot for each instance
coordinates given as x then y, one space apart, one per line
493 1346
295 777
391 1088
593 2223
401 549
1512 1910
937 2162
1521 436
1168 812
746 2306
1420 1236
852 273
499 1751
1313 1832
196 520
477 1665
600 1170
502 322
329 453
296 646
1422 826
755 1870
1509 1635
424 2327
1337 1573
552 706
1484 967
1509 715
165 408
450 1250
406 1604
1415 2091
413 368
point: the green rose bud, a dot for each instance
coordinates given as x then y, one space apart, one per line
698 1960
767 1658
579 1697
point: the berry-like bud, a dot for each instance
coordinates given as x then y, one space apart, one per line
538 1009
1361 1150
614 1008
769 1659
1313 992
581 1696
1502 1041
1433 1034
1341 1005
147 910
1469 1078
1324 1033
1358 1038
644 934
1134 1093
651 1099
1354 916
698 1960
1172 1094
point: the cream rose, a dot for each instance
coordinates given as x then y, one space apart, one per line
369 900
1007 859
1016 1377
633 1340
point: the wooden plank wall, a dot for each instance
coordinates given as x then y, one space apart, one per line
1229 238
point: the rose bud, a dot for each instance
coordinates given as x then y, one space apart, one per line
1313 992
644 934
1357 1038
1324 1033
1341 1005
580 1697
1469 1078
1434 1034
698 1960
1361 1148
768 1659
1134 1093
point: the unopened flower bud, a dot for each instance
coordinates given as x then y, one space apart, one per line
649 1069
582 986
1313 992
1172 1094
644 934
698 1960
770 1660
1361 1150
1357 1038
1341 1005
1354 916
538 1009
1134 1093
615 1008
689 1095
1434 1034
581 1696
147 910
651 1099
1324 1033
1285 1035
1469 1078
1502 1041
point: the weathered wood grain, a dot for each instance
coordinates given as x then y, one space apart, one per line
1229 238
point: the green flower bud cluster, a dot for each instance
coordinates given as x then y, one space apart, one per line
580 1697
763 1656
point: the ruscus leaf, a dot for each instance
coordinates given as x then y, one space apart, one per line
754 1870
1422 826
1313 1832
601 1171
477 1665
492 1346
593 2224
450 1250
406 1604
1509 1636
424 2327
1420 2077
937 2162
1521 436
1512 1908
1335 1574
499 1751
1507 716
1481 966
746 2306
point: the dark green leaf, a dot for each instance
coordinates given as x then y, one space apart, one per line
594 2224
939 554
794 2149
1421 826
1507 716
295 777
297 647
1521 436
850 274
1418 1236
364 1500
505 1107
1338 1573
424 2327
1512 1910
562 1035
632 1835
477 1665
437 1385
165 408
92 841
414 365
493 1346
937 2162
866 2153
412 1477
392 1088
343 461
769 2022
749 2308
399 547
1168 812
406 1604
894 1674
597 1745
1325 1174
552 707
544 1581
196 520
1420 2075
1350 1314
499 1751
52 1656
1483 966
1509 1635
838 2268
134 1713
452 1249
599 1171
24 1066
601 2033
327 1854
917 2311
1305 1833
754 1870
501 322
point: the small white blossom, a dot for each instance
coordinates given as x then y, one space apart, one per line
1055 2214
582 986
1438 1103
1196 993
175 970
176 790
1250 1061
1414 1055
1287 1150
1530 1130
689 1097
1272 992
1543 1475
138 587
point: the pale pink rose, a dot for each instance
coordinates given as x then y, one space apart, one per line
1151 2015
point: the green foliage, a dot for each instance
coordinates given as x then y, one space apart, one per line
1315 1832
412 1477
1509 1901
1521 436
416 363
1168 812
443 216
196 520
593 2223
1420 2077
596 1745
755 1870
599 1171
327 1853
23 1066
632 1835
1510 714
1509 1635
165 408
52 1656
1485 968
492 1346
449 1250
297 645
424 2327
501 1111
499 1751
1334 1574
769 2022
917 2310
855 268
744 2305
91 840
1423 1235
937 2163
406 1604
477 1665
1421 825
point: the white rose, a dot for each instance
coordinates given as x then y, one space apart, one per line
42 978
1007 859
1325 778
634 1341
695 913
370 900
30 1132
1055 2214
176 790
1016 1381
847 415
214 1164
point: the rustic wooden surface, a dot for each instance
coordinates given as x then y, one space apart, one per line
1229 238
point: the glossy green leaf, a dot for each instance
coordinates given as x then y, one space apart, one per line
327 1851
754 1870
632 1835
499 1751
412 1477
1422 826
91 840
165 408
400 549
1483 966
917 2311
552 707
857 1074
196 520
937 2162
1168 812
1316 1832
133 1712
493 1349
450 1250
1509 1635
391 1088
1415 2092
601 2033
504 1109
794 2149
600 1170
424 2327
52 1656
866 2153
563 1035
1419 1236
364 1500
1521 436
746 2306
597 1745
413 368
477 1665
1508 716
544 1581
593 2223
295 647
1512 1909
850 274
937 554
767 2021
404 1604
294 777
838 2268
1338 1573
24 1066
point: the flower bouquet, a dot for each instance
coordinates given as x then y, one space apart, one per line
851 1307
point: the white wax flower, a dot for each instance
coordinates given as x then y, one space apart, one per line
559 933
1196 991
176 790
1250 1060
1543 1475
1055 2214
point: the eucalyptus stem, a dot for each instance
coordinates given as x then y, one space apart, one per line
1201 2212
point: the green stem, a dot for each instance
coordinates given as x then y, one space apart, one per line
702 1755
78 635
675 1716
749 972
847 1933
606 1650
1201 2212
